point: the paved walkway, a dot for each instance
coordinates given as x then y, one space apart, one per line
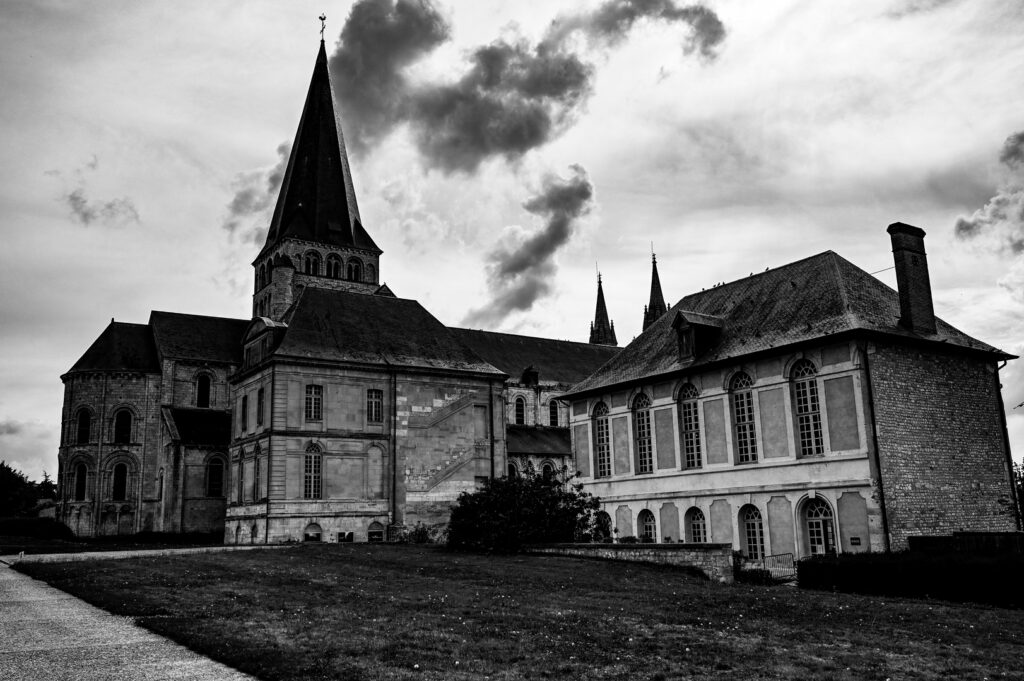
48 634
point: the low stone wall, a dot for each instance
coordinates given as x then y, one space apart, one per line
714 560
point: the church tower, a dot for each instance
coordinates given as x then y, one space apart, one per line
316 237
656 307
602 332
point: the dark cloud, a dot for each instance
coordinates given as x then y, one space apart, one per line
514 96
11 427
912 7
1012 154
520 275
113 212
251 208
1002 217
611 22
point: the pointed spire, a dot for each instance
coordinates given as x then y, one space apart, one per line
317 200
602 332
656 307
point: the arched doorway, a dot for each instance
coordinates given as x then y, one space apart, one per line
818 527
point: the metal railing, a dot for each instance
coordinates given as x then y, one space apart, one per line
781 567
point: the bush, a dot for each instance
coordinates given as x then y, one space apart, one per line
954 577
509 513
629 539
39 528
754 576
421 533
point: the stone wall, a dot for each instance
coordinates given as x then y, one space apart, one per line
941 443
714 560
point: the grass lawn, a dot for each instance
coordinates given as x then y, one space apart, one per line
10 545
371 611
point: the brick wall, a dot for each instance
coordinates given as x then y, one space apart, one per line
714 560
941 443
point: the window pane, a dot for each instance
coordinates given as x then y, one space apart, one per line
314 402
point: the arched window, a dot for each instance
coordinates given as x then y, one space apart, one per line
311 263
602 526
553 413
123 427
334 266
81 480
312 482
312 532
120 487
602 442
752 532
696 527
215 477
254 533
821 534
642 434
805 404
355 269
547 470
375 532
742 398
83 426
647 530
520 411
203 391
689 426
513 470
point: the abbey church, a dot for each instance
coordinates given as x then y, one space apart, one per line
802 410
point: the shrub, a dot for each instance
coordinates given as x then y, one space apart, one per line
629 539
39 528
420 533
955 577
508 513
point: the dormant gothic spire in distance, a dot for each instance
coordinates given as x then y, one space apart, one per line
602 332
656 307
316 237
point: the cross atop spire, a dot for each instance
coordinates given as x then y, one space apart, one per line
602 332
323 25
656 307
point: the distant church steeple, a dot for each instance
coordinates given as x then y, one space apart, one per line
656 307
602 332
316 237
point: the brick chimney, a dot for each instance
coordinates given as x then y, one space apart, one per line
916 311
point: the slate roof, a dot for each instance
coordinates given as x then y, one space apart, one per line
555 360
121 347
537 440
317 201
198 426
196 337
807 300
366 329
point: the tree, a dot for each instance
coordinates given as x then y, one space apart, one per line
17 492
508 513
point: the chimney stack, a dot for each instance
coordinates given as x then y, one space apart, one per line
916 311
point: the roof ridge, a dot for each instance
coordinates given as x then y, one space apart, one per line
186 314
541 338
754 275
851 318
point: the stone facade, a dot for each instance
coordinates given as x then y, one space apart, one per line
714 560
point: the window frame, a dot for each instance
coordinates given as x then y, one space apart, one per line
335 267
312 473
375 406
519 411
119 482
244 413
689 428
643 437
553 413
311 263
696 529
601 424
81 482
810 437
122 432
201 381
313 408
215 461
646 527
752 529
83 417
744 418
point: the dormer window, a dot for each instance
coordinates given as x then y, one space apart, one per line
696 333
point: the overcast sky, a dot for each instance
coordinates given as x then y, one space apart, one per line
501 151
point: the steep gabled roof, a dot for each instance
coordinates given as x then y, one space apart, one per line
318 200
537 440
121 347
555 360
354 327
807 300
602 331
196 337
656 306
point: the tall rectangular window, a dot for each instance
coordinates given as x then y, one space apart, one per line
241 477
314 402
260 405
691 434
243 418
256 479
602 442
374 406
642 434
808 410
312 480
743 418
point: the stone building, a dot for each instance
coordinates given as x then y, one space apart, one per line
802 410
336 412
